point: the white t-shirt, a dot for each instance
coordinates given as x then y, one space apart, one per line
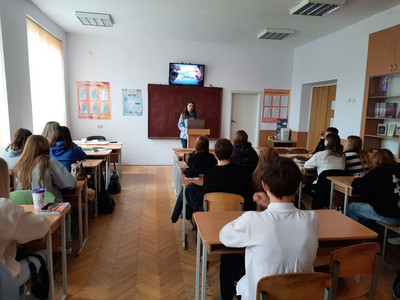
323 161
281 239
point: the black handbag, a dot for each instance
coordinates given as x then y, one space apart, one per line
114 186
39 282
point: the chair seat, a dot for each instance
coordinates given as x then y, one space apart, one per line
348 288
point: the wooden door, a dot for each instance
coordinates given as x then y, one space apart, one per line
321 113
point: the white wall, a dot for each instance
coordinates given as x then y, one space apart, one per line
340 56
130 63
13 15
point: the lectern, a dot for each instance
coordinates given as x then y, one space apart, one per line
193 134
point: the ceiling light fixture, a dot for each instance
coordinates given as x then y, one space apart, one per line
315 8
94 19
274 34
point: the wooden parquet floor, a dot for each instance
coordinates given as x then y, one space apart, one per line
136 252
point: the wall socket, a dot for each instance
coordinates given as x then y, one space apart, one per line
99 126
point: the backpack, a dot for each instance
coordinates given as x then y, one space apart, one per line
105 203
115 186
39 281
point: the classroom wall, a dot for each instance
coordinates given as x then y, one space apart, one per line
131 63
341 57
15 46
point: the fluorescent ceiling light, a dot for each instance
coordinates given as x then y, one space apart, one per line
94 19
315 8
274 34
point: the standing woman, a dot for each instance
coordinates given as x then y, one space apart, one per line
49 129
63 148
188 114
12 152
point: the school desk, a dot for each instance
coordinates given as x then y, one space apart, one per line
56 221
343 185
105 155
93 167
336 230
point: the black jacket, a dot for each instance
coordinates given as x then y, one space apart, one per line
245 155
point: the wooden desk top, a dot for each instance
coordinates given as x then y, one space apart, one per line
92 163
55 220
98 153
185 181
342 182
111 146
335 226
308 156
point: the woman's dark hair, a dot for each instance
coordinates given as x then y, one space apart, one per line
333 144
240 137
62 134
186 113
202 144
19 139
223 149
282 176
332 130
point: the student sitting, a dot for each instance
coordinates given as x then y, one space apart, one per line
63 148
49 129
199 161
12 152
380 188
36 169
357 161
17 226
280 239
266 156
321 143
243 153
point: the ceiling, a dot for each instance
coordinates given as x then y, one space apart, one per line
215 21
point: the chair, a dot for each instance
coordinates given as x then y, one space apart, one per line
393 228
282 150
222 202
96 137
24 197
351 261
299 151
299 286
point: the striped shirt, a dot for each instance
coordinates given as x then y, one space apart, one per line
353 163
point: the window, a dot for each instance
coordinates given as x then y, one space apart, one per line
46 73
4 120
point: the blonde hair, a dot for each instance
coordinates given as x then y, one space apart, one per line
49 129
383 156
36 152
355 143
4 180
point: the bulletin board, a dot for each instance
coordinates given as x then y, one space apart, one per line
275 105
167 102
93 100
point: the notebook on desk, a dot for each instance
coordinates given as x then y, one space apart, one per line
196 124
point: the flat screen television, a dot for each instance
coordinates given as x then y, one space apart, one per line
186 74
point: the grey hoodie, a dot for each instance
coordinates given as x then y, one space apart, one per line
10 156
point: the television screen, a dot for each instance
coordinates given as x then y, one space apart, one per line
186 74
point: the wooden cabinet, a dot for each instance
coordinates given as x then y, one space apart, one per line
384 52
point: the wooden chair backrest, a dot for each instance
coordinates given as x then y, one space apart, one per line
222 202
299 286
282 150
299 151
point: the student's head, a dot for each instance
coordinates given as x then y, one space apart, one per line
331 130
198 74
240 137
381 157
19 139
332 143
223 149
353 143
266 156
36 151
202 144
49 129
62 134
4 180
190 109
281 176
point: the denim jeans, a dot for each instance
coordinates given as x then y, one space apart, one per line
361 212
184 143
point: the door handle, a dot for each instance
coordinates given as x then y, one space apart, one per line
233 121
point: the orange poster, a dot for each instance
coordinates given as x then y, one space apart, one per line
275 105
93 100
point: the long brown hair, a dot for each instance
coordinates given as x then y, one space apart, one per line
62 134
4 180
49 129
19 139
333 145
202 144
186 113
355 145
36 152
383 156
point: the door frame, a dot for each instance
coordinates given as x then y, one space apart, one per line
256 93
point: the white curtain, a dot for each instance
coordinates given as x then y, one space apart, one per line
47 77
4 118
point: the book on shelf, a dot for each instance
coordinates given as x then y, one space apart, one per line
53 208
390 110
377 111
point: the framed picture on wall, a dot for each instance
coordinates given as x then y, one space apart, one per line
382 129
391 129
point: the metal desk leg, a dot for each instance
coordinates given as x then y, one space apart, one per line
64 258
80 220
50 265
331 197
384 244
119 164
300 190
97 173
83 243
107 171
346 200
184 219
197 267
204 273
